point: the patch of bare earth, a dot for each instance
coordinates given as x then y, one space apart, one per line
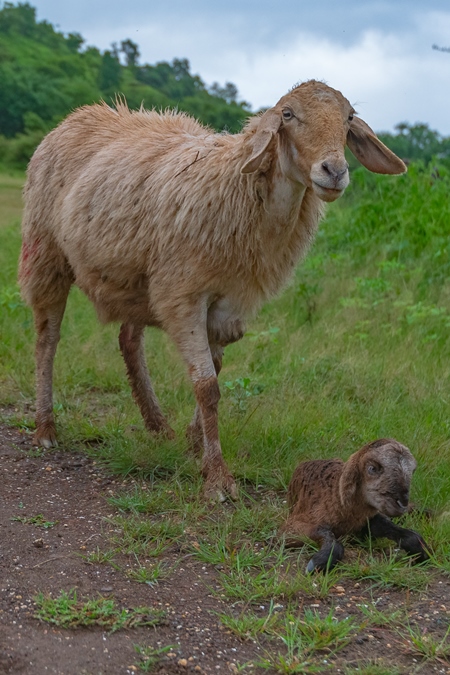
71 489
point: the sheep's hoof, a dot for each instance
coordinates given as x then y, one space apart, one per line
221 490
45 437
311 567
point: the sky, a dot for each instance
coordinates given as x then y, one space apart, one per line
378 53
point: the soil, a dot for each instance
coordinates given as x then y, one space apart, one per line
72 489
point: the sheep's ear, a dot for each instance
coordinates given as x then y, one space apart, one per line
349 482
370 151
268 127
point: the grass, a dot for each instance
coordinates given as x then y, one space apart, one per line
67 611
38 520
356 348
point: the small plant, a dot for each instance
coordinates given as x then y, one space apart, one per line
373 668
376 617
425 645
67 611
241 390
306 634
37 520
151 656
248 624
99 557
149 575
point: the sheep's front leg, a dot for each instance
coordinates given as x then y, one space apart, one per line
131 341
194 432
190 334
408 540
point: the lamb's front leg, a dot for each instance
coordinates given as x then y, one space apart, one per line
408 540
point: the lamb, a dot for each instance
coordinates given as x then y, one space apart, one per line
162 222
329 499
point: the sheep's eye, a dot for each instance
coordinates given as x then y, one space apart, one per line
373 470
350 117
287 114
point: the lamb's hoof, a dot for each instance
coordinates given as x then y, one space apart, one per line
311 567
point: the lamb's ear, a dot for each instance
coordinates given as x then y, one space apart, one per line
349 481
370 151
269 124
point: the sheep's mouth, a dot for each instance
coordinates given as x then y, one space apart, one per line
395 507
327 194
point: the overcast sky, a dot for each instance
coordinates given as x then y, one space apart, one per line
377 52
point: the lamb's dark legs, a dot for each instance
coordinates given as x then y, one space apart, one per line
408 540
330 552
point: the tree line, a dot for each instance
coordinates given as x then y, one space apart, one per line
44 74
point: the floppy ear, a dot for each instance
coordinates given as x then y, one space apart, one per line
268 126
370 151
349 481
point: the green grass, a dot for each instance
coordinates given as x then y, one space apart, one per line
67 611
355 349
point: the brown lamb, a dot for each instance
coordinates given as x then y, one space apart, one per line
329 498
162 222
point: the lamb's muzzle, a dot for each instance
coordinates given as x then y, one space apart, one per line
329 499
163 223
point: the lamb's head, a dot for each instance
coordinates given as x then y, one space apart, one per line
312 125
381 472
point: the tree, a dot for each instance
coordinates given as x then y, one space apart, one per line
131 51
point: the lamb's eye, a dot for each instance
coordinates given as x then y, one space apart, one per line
373 470
287 114
350 117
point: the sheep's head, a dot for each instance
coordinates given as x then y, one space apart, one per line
313 124
382 472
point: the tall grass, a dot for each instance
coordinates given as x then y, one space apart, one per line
356 348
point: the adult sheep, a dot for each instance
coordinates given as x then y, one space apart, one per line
162 222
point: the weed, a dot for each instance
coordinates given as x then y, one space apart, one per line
426 645
241 390
151 656
149 574
37 520
67 611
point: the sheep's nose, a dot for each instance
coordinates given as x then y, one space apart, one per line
336 172
403 503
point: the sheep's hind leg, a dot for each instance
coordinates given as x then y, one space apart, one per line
131 341
194 432
48 323
408 540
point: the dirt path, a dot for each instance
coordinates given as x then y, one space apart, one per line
70 489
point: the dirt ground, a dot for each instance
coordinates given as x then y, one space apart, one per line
71 489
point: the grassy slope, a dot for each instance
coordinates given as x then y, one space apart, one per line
355 349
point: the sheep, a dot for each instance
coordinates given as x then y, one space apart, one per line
162 222
329 498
